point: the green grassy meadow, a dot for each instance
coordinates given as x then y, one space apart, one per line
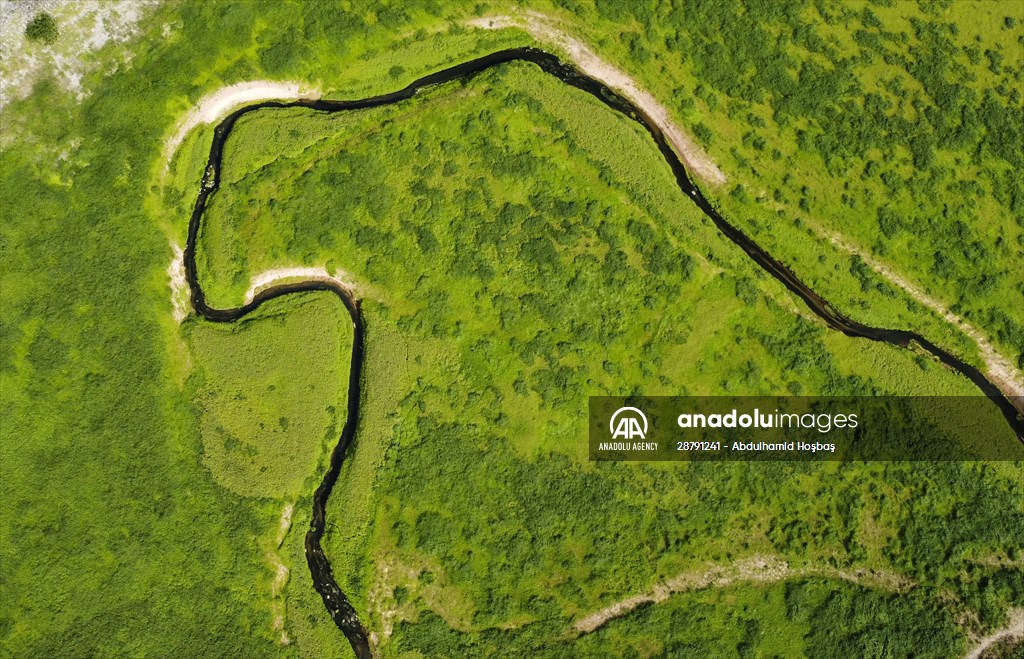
517 248
265 388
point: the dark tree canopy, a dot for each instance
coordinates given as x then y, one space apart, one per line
42 28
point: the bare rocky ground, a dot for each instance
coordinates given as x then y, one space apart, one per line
84 26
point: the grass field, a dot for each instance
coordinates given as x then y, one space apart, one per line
517 248
267 388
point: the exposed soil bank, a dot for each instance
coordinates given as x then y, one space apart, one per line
214 106
540 28
264 280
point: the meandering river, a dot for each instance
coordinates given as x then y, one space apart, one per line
334 599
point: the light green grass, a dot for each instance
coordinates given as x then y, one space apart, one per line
105 494
271 392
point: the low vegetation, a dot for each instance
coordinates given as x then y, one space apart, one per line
266 389
896 125
42 28
518 248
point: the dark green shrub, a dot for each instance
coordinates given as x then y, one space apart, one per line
42 28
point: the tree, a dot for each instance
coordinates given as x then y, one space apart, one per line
42 28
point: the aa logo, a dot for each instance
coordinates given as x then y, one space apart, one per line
628 423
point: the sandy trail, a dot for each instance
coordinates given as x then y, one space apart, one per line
1013 630
181 298
755 569
215 106
541 28
1001 371
281 574
286 523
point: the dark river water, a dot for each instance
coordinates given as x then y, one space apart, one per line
337 603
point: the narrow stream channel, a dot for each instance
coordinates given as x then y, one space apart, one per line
337 603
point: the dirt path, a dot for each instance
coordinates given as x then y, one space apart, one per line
1013 630
281 574
542 29
286 523
1003 374
180 296
215 106
756 569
